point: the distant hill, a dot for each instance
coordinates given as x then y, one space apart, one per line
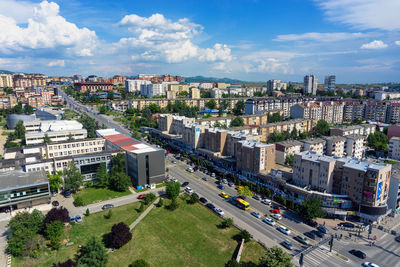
5 72
211 79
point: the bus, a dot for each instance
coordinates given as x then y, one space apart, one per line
240 203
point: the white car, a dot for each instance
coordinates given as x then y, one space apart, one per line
174 179
212 174
369 264
266 201
276 216
189 190
256 214
269 221
284 230
219 211
224 181
189 170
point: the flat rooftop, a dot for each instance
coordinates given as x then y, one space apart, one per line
18 179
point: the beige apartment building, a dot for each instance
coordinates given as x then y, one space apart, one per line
173 124
286 148
254 157
233 138
194 93
316 145
362 129
215 141
335 146
6 80
355 146
301 126
193 135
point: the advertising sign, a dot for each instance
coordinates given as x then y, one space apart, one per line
379 192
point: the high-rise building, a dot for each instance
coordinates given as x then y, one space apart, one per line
330 82
6 80
310 84
276 85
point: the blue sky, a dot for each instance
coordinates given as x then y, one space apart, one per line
254 40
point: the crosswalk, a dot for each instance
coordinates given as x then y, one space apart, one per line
321 257
387 252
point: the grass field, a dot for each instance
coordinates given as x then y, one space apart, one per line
188 236
91 194
94 225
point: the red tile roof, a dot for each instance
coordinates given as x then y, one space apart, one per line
119 139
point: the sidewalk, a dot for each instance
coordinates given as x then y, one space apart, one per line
152 205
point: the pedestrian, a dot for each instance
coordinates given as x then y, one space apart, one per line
341 235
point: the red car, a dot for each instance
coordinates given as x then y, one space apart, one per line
142 196
274 211
398 239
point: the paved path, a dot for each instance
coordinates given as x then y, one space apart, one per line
152 205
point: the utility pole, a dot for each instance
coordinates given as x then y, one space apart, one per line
331 244
301 260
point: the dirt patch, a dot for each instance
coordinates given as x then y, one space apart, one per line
3 140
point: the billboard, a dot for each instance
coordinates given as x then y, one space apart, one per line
379 191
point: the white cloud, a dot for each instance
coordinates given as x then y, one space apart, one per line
85 52
320 37
20 11
363 14
157 38
56 63
376 44
397 42
45 29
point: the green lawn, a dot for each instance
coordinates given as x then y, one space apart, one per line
95 225
91 194
188 236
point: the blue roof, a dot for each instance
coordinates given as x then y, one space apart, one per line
210 111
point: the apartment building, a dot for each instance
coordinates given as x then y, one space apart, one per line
7 101
216 93
362 129
193 135
310 84
93 87
233 137
301 126
394 190
120 106
172 124
178 88
263 105
355 146
330 111
311 111
286 148
276 85
194 93
134 86
393 113
215 141
382 95
254 157
335 146
72 148
353 110
330 82
20 81
6 80
38 80
316 145
394 148
375 111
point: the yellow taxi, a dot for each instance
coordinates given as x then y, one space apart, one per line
224 195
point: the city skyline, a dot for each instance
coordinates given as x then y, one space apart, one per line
247 40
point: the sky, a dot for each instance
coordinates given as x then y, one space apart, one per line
252 40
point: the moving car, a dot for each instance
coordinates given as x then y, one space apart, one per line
224 195
269 221
142 196
287 245
212 174
189 170
189 190
231 184
203 200
276 216
219 211
302 239
224 181
397 239
284 230
256 214
55 203
107 206
256 197
210 206
185 184
205 178
266 201
275 211
78 218
369 264
311 235
220 186
358 253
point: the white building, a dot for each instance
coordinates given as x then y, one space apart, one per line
276 85
394 148
310 84
316 145
355 146
216 93
206 85
133 86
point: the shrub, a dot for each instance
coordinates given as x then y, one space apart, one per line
228 222
244 234
87 213
139 263
79 201
108 215
150 197
160 203
174 205
120 235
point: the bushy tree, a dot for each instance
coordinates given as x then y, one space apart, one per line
102 175
19 130
245 191
118 163
193 199
46 139
173 189
56 214
79 201
289 160
322 127
378 141
55 181
311 209
228 222
120 235
237 122
174 204
119 181
275 257
160 202
232 263
239 108
150 197
211 104
92 254
73 178
54 232
275 117
139 263
244 234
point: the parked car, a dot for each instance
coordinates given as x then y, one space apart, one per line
205 178
311 235
256 214
142 196
358 253
257 197
276 216
185 184
189 190
219 211
224 181
67 193
231 184
266 201
174 161
71 218
174 179
323 229
220 186
224 195
275 211
311 223
78 218
55 203
303 240
213 174
319 234
107 206
284 230
369 264
269 221
203 200
189 170
210 206
397 239
287 245
347 225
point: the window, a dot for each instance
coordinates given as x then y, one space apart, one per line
51 154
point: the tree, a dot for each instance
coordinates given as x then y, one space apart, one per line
160 203
139 263
173 189
56 214
102 175
275 257
244 234
120 181
232 263
174 204
55 181
87 213
193 199
289 160
239 108
73 178
28 109
322 127
211 104
150 197
46 139
228 222
225 104
70 137
103 109
93 254
378 141
53 232
19 130
275 117
118 163
245 191
205 94
79 201
311 209
120 235
237 122
68 263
